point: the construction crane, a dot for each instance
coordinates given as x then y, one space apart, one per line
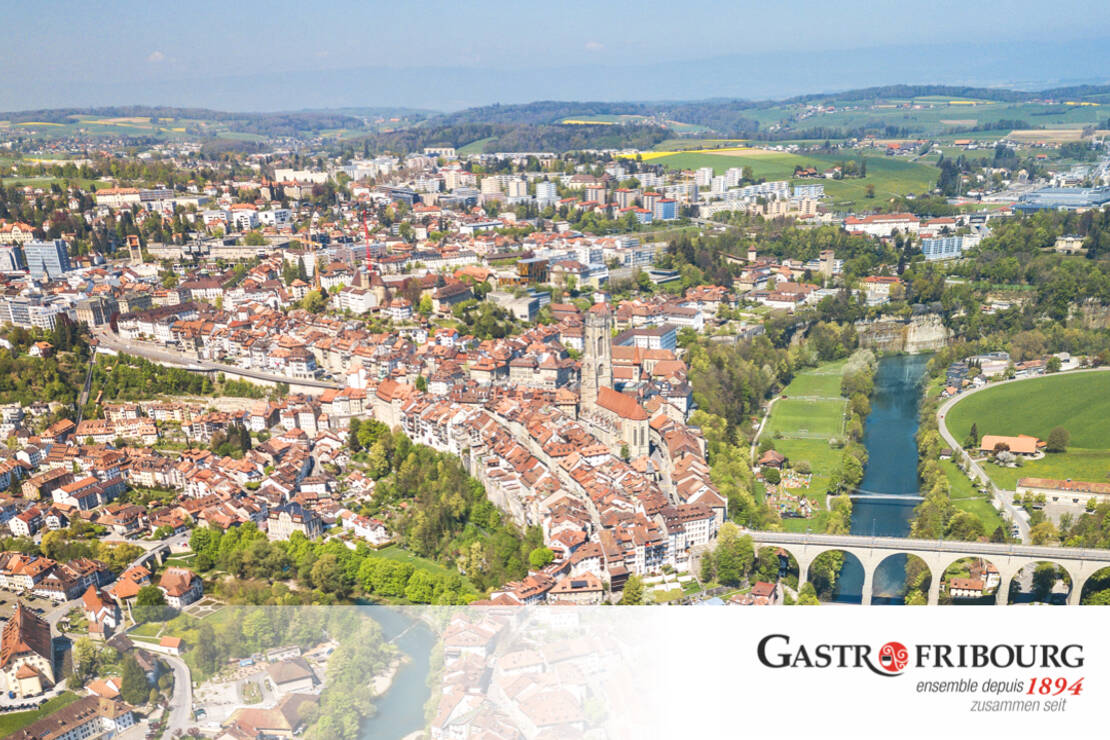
366 238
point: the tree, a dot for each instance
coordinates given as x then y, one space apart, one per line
424 308
972 440
707 568
540 557
734 555
807 596
149 603
633 594
314 301
1044 578
133 686
965 526
772 476
1058 440
1044 533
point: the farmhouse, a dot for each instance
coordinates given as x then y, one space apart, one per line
1022 444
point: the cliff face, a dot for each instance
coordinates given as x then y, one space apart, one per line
918 334
1094 316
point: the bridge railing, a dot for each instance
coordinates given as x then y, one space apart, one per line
907 544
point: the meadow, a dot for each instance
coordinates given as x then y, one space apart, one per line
805 427
1079 402
889 176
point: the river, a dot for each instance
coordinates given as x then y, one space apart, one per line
888 435
400 711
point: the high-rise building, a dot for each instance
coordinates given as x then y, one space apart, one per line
49 259
546 192
597 359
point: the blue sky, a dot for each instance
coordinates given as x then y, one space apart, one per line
85 53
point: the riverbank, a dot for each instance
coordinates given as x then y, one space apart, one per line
384 681
889 436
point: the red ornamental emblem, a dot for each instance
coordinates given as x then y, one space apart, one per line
893 657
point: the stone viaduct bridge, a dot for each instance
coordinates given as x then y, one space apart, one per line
1080 564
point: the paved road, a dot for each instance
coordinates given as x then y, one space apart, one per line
1001 496
181 705
156 353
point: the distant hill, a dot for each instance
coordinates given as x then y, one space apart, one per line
549 125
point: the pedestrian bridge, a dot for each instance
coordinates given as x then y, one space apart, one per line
1080 564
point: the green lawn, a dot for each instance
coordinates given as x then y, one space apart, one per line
982 509
959 485
393 552
1076 463
821 458
825 384
150 629
966 497
890 176
804 418
820 420
15 721
1079 402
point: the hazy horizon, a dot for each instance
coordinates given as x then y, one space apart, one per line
279 56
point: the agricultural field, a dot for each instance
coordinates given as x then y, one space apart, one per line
1079 402
605 119
890 176
932 116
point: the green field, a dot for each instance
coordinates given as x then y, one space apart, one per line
890 176
393 552
806 427
1076 463
474 147
819 383
15 721
1079 402
807 418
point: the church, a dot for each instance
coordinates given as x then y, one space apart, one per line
619 418
27 653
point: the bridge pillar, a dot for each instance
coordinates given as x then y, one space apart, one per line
934 589
868 577
1002 596
804 561
1076 592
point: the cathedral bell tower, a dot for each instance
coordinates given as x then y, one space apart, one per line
597 360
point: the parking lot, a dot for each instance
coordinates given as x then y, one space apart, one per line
36 603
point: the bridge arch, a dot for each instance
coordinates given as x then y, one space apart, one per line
906 573
961 576
839 572
1093 584
1037 581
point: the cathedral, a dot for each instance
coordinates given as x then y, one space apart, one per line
619 418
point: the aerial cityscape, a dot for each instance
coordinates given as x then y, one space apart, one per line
285 386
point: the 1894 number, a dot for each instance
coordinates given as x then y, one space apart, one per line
1054 687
